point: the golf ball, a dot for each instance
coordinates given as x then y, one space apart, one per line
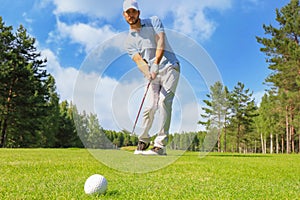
95 184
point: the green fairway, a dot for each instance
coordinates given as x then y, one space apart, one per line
61 173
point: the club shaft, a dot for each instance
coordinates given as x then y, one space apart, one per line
138 115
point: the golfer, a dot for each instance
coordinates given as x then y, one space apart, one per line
148 47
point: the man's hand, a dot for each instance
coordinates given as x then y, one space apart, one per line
153 75
153 70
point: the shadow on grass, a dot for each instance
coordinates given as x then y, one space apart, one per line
112 193
239 155
208 154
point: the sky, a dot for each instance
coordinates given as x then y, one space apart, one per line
81 39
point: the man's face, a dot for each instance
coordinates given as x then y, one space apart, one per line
131 16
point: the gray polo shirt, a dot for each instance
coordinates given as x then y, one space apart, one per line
144 43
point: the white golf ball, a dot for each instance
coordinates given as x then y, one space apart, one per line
95 184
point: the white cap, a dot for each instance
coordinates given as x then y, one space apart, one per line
130 4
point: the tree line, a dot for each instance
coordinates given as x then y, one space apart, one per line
274 125
280 106
32 114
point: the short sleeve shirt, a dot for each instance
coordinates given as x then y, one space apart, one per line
143 42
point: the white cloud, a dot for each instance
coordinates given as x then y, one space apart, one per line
64 77
84 34
193 24
93 8
191 19
189 16
87 34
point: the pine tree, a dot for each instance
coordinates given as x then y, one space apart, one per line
283 55
216 111
268 122
6 46
52 116
23 89
243 111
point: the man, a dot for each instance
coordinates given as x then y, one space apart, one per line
148 47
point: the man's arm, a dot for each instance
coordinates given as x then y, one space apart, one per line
160 40
159 53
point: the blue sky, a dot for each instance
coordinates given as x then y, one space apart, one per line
67 31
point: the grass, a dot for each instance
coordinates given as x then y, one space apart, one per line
61 173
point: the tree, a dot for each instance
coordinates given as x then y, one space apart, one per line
282 49
216 110
66 134
23 89
243 111
52 118
283 55
91 133
6 43
268 122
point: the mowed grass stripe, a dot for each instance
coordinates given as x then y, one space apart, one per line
61 173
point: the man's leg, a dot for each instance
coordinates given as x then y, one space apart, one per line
165 117
149 111
169 85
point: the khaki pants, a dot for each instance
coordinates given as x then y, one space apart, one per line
161 95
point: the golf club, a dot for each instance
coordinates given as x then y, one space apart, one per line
132 133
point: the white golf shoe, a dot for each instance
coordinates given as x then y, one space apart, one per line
155 151
138 152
